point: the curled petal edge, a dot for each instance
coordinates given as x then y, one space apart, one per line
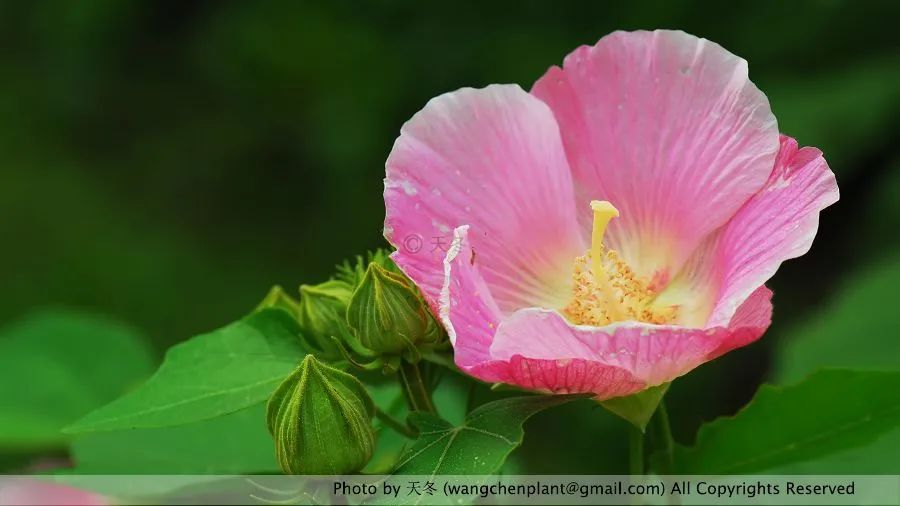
538 349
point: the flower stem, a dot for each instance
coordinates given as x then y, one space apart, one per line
394 424
662 434
417 394
635 450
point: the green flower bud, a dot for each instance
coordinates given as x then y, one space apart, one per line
322 316
353 270
277 298
386 314
320 418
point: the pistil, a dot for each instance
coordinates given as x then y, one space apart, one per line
605 288
604 212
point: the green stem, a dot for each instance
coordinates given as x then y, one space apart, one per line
635 450
394 424
417 393
663 436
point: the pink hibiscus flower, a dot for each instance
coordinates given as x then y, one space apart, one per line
498 202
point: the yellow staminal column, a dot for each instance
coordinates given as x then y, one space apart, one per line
605 289
603 213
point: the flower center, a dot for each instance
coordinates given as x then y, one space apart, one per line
606 290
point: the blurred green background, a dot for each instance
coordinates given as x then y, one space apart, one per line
165 163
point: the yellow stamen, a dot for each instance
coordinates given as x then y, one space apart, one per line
605 288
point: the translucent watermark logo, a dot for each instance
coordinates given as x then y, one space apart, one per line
454 490
416 243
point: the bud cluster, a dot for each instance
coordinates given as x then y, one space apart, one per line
369 315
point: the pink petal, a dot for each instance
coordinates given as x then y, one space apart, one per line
563 376
777 224
467 307
750 320
491 157
471 317
653 354
667 127
539 349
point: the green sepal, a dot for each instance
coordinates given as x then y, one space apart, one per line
321 421
279 299
374 363
637 408
353 271
322 316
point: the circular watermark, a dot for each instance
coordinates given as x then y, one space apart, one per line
412 243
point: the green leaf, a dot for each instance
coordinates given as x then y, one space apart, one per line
56 366
877 457
830 411
389 445
451 396
857 330
480 445
210 375
638 408
232 444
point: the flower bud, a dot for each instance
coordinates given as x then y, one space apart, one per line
277 298
322 316
353 270
320 418
386 314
